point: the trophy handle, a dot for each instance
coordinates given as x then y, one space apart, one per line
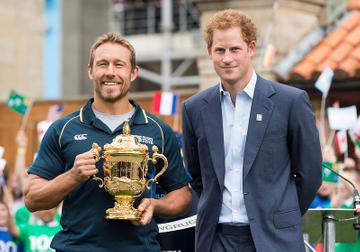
154 160
95 149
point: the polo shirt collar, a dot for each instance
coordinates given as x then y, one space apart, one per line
87 115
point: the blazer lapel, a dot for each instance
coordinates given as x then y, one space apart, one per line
212 119
261 111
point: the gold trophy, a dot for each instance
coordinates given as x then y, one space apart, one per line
125 168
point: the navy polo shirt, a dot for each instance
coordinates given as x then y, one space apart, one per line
83 218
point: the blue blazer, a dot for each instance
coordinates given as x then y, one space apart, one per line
282 164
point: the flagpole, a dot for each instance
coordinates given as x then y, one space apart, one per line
267 36
346 153
26 117
322 121
323 84
331 137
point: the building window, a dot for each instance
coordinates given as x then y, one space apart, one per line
144 16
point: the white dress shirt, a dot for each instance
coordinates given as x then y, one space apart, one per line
235 127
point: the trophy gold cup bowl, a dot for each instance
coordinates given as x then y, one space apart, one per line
125 168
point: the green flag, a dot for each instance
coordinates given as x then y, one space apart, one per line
18 102
357 142
327 175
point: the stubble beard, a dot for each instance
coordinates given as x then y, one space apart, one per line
109 97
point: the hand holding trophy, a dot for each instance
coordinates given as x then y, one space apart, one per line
125 168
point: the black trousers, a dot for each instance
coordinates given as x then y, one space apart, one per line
230 238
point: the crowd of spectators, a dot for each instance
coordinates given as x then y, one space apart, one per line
21 230
336 192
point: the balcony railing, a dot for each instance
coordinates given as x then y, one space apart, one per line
144 17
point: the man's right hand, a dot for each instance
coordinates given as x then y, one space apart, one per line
84 166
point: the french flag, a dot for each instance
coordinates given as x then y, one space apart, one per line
165 103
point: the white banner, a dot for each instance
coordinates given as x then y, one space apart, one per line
342 118
323 83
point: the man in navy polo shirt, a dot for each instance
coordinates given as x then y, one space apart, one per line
65 164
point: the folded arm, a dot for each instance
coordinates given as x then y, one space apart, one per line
305 151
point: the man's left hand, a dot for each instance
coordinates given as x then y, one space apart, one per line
146 211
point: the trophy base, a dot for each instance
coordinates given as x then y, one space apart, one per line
123 210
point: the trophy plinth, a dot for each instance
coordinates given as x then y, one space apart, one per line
125 168
123 209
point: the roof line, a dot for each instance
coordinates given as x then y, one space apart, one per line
307 44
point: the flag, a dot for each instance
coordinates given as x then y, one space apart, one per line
342 118
341 141
327 175
354 133
324 81
357 139
18 102
269 55
165 103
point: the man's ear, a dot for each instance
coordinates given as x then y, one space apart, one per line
209 52
134 73
90 73
252 48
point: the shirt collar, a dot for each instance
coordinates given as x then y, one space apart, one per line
87 114
249 88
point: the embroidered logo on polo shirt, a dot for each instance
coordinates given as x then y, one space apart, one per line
145 139
80 137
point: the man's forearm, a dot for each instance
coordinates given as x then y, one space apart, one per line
41 194
173 203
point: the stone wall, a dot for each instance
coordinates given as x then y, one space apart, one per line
21 45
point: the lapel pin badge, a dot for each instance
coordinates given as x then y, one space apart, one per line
259 117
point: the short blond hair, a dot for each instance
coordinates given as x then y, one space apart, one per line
225 19
113 37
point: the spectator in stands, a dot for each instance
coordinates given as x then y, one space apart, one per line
7 243
38 232
329 179
344 199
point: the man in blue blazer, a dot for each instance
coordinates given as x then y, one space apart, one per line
252 148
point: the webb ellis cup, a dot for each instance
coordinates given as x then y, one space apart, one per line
125 168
